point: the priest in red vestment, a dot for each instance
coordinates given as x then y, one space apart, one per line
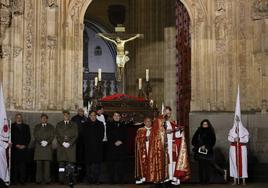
167 156
141 151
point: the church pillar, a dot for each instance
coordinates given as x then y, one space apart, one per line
170 69
29 55
52 56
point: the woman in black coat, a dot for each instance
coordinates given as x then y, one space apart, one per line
92 136
203 141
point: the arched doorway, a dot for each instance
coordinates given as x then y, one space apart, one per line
195 12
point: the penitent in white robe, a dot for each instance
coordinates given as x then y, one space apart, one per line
234 153
4 173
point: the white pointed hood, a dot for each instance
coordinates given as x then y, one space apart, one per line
238 124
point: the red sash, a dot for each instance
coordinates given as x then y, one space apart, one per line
238 154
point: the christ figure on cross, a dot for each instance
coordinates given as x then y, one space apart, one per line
121 56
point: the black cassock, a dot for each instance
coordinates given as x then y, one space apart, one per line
92 137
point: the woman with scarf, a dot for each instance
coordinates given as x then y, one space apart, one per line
203 141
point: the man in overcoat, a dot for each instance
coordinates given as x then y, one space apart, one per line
66 135
43 135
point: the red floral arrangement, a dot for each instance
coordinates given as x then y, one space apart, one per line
120 96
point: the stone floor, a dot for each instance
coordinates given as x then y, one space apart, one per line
250 185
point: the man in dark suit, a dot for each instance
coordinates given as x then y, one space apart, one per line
20 138
116 151
80 119
43 135
93 136
66 134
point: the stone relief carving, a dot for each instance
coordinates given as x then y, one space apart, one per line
18 7
51 45
6 51
28 64
75 8
7 8
260 9
5 19
199 15
220 29
221 48
43 61
52 3
51 42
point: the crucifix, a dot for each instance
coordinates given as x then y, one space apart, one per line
119 40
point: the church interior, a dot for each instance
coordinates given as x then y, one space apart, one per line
191 55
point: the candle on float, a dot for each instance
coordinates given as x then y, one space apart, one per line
147 75
99 74
140 83
96 81
151 103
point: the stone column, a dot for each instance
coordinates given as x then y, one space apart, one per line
170 69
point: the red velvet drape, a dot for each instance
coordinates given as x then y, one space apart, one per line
183 44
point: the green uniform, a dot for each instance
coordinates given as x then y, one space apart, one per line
66 133
43 154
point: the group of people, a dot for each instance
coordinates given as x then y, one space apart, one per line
161 155
81 141
161 152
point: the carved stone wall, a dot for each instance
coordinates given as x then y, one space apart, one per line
41 49
228 46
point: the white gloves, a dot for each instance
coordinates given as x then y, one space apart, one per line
44 143
118 143
66 144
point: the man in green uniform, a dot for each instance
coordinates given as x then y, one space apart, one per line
66 134
43 135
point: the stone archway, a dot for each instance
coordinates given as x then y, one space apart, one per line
74 25
58 44
74 50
